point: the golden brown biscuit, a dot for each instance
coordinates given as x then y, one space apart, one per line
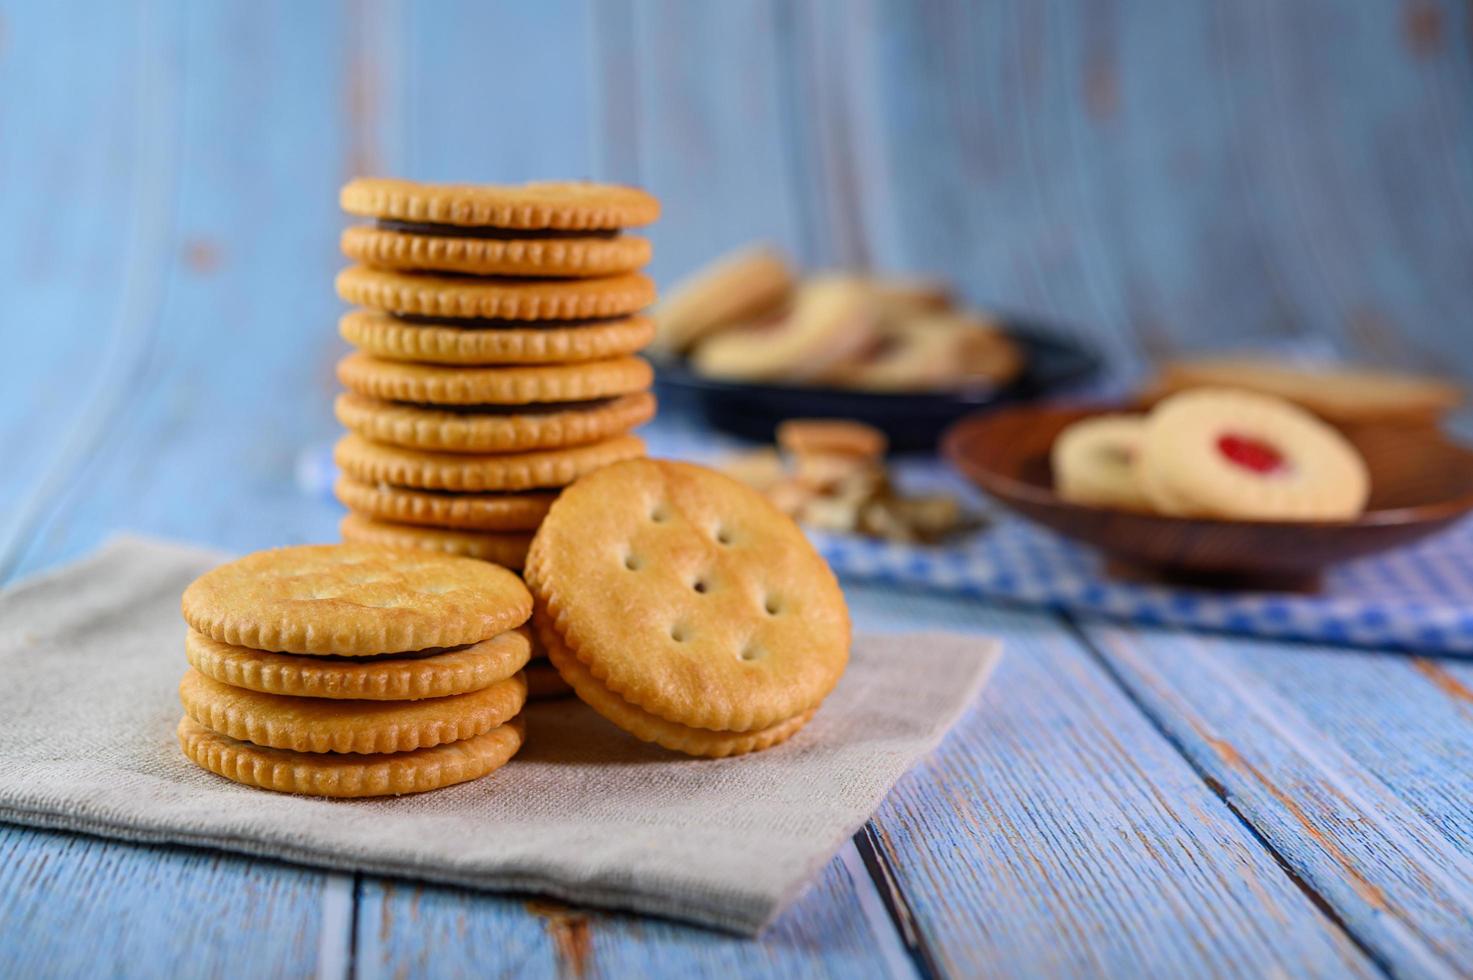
522 384
840 437
427 674
323 725
652 728
430 249
1346 396
391 338
933 352
332 774
567 205
741 287
495 299
370 462
475 512
833 320
507 548
1237 455
689 595
354 600
903 297
546 426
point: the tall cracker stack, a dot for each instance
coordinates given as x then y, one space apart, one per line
495 359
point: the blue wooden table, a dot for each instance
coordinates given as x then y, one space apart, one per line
1154 176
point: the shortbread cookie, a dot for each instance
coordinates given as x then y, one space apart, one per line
689 595
330 774
354 600
523 384
563 205
741 287
544 683
535 426
497 299
899 297
1236 455
1343 395
837 437
652 728
323 725
1095 460
933 352
370 462
508 548
396 677
494 342
832 321
474 512
493 252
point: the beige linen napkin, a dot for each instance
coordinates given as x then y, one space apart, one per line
91 655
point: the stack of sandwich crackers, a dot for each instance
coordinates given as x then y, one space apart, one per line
352 670
495 356
495 360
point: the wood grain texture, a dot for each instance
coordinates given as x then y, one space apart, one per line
87 172
75 906
1355 767
1151 176
408 929
233 376
1056 832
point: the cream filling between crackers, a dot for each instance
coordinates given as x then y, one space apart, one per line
529 408
489 231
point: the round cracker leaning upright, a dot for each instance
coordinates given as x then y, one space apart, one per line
685 608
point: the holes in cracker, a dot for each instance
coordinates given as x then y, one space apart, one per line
660 513
723 535
701 585
752 652
679 633
771 605
633 562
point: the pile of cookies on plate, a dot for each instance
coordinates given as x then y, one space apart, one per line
749 317
351 670
1217 453
1238 437
495 357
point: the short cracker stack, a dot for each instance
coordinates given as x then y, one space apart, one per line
352 670
495 359
685 608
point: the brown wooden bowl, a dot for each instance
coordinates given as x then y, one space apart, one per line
1420 483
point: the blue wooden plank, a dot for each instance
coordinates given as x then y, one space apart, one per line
492 92
1161 176
203 438
1056 832
834 929
191 412
709 125
75 906
87 160
1355 767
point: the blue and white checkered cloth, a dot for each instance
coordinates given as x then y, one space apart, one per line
1416 599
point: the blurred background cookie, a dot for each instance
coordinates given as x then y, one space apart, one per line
1343 394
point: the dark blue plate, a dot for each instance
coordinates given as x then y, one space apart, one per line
913 422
